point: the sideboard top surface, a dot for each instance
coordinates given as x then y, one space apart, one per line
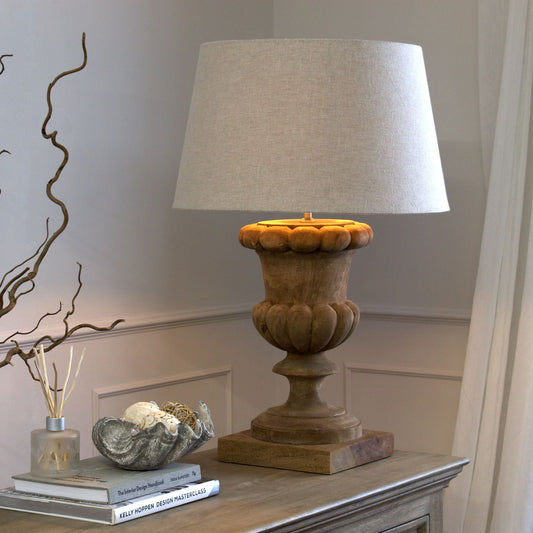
259 499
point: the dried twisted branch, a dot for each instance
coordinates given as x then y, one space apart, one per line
20 279
2 66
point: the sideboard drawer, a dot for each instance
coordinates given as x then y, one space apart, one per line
420 525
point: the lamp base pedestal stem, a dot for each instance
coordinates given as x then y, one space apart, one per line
305 418
242 448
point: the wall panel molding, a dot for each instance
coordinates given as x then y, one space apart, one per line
459 317
136 325
412 372
418 405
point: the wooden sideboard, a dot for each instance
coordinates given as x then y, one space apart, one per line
400 494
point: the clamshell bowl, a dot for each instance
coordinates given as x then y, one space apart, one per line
130 448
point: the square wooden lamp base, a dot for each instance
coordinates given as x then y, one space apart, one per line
242 448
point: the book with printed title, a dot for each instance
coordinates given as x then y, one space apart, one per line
109 513
100 481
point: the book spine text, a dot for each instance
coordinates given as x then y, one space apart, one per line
164 500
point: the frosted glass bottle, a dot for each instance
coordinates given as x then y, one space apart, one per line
55 451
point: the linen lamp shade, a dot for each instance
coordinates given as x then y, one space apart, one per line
333 126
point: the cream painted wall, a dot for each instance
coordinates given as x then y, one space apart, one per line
180 279
123 120
422 263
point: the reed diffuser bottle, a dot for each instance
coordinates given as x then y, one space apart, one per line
55 451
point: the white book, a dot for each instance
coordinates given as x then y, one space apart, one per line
101 481
114 513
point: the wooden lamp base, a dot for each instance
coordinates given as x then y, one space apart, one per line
242 448
306 264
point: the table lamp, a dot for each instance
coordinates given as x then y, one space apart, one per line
306 126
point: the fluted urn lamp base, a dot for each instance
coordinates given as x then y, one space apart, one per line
306 264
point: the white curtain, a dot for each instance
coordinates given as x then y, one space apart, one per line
495 420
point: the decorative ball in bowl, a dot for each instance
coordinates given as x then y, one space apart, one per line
149 437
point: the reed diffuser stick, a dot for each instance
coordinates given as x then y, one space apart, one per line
55 402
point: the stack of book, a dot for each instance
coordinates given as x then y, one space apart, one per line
101 492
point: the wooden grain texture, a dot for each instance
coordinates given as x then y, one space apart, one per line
371 498
320 458
306 265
